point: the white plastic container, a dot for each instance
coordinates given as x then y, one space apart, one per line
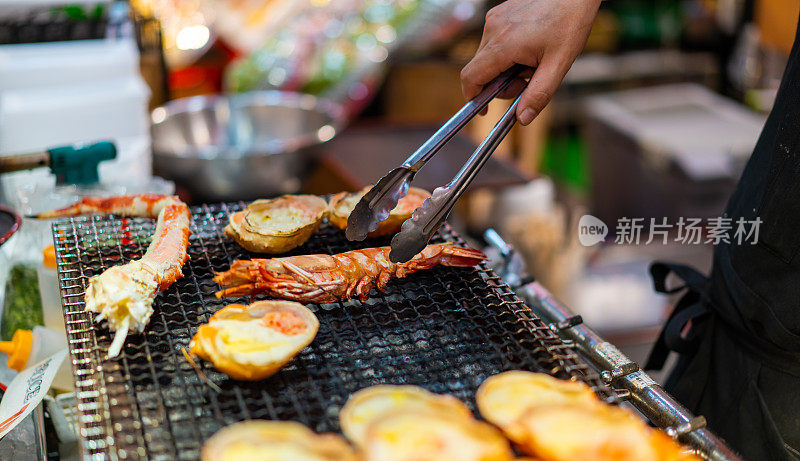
47 342
51 298
29 347
39 64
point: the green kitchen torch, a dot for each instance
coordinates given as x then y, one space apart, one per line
76 164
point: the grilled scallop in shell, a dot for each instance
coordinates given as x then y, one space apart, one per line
413 435
559 420
504 397
277 225
569 431
259 440
253 342
368 405
342 205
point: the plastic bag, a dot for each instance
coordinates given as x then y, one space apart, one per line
21 302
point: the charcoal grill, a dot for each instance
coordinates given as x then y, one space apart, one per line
446 329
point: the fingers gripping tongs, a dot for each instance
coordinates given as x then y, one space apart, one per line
376 204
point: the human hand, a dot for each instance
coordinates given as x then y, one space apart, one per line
546 35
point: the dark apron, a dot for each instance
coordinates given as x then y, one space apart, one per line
738 331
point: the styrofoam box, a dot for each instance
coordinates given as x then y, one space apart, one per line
666 151
63 63
54 94
39 118
60 93
707 134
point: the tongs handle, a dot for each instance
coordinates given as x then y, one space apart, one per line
472 108
470 169
417 231
381 199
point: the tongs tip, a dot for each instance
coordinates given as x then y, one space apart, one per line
377 203
416 232
407 244
359 222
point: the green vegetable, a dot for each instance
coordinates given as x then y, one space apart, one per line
22 306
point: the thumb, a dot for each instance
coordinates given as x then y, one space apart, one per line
540 89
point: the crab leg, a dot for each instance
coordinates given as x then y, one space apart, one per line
123 295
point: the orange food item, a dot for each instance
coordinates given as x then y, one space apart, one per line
329 278
371 404
557 420
670 450
49 256
412 435
287 323
569 431
504 397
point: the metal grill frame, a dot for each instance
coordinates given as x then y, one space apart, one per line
110 422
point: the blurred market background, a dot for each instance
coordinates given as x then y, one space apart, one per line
220 100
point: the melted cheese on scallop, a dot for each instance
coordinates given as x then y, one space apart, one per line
504 397
282 215
370 404
273 451
260 440
251 342
405 205
412 436
563 432
278 219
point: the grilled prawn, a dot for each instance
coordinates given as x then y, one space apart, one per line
123 295
330 278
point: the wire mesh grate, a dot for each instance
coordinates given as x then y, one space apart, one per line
445 329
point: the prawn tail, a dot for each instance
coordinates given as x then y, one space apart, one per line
240 273
460 257
239 290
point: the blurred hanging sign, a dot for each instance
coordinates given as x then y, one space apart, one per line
334 49
185 29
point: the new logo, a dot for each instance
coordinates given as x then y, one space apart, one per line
591 230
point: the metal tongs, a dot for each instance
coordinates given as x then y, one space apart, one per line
415 233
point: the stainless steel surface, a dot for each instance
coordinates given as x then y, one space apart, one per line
243 146
417 230
376 204
39 438
620 371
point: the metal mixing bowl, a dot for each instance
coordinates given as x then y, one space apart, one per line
243 146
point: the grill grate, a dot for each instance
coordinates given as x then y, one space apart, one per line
446 329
